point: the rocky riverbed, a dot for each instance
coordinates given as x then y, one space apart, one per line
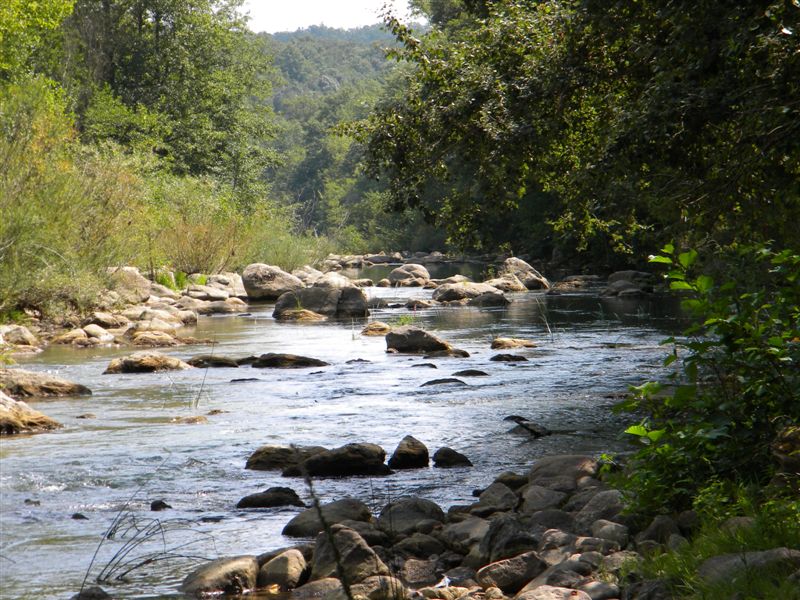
557 358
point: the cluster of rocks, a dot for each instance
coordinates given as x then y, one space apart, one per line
336 262
556 532
356 459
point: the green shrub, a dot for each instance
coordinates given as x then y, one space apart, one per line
66 211
737 385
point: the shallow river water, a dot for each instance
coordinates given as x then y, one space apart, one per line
131 453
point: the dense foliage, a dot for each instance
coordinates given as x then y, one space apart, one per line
612 126
738 385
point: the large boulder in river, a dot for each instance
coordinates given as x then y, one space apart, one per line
307 274
347 460
266 282
17 417
308 523
287 570
451 292
409 275
20 383
530 277
414 340
328 301
145 362
223 576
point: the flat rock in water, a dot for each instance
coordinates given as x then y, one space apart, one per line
508 358
470 373
210 361
20 383
145 362
503 343
444 381
279 458
273 360
17 417
267 282
376 328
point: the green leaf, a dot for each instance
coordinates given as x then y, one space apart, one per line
704 284
637 430
687 259
680 285
657 259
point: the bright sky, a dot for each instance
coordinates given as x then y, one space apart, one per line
289 15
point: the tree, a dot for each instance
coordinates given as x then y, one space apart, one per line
22 26
191 63
640 122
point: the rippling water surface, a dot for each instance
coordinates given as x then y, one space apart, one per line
132 453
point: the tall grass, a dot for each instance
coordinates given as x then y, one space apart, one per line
65 212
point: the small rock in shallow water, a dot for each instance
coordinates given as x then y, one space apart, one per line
79 517
445 381
157 505
508 358
91 593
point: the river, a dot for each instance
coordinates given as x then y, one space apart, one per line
131 452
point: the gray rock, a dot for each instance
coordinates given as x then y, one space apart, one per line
288 570
369 531
548 592
409 454
659 530
332 279
507 283
279 458
129 284
308 524
20 383
329 588
347 460
17 335
273 360
270 498
266 282
600 590
344 549
420 545
445 458
489 299
498 497
728 566
403 515
204 361
566 465
551 518
412 339
526 274
207 293
511 574
609 530
450 292
419 573
223 576
460 537
380 587
507 537
145 362
536 498
409 275
17 417
604 505
327 301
